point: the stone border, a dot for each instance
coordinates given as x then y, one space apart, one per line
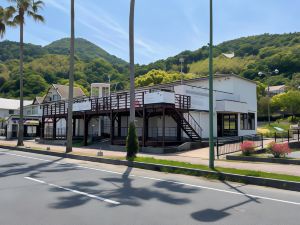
280 184
266 160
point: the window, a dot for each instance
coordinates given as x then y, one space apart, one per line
55 98
11 112
247 121
229 125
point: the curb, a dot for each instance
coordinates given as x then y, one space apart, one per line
267 182
266 160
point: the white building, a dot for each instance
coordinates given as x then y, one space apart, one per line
9 108
166 114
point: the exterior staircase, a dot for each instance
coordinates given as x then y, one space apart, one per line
188 124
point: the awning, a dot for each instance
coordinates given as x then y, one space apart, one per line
32 123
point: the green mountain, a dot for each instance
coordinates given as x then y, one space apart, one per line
10 50
252 54
84 49
49 64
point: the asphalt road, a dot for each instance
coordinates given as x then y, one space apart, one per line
44 190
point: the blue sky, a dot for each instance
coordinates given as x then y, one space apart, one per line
163 27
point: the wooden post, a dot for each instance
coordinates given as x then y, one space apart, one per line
145 127
54 128
86 129
178 132
112 128
43 128
74 127
164 127
119 125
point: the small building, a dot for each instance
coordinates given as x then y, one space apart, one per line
59 92
275 90
166 115
9 108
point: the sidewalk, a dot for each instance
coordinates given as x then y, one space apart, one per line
199 156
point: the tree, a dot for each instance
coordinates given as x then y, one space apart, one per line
160 77
288 102
6 15
132 142
22 8
71 82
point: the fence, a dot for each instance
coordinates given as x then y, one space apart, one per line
227 145
290 135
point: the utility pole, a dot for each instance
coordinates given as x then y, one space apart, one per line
268 75
211 106
71 83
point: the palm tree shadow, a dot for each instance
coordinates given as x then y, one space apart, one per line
126 190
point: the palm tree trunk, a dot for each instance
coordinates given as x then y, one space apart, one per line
71 83
131 49
21 120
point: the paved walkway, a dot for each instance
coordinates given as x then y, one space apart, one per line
199 156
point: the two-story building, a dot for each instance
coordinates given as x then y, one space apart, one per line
168 114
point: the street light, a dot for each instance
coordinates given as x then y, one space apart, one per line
109 84
268 74
181 60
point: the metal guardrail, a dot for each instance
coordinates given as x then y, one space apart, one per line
228 145
290 135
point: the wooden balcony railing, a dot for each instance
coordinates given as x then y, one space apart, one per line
116 101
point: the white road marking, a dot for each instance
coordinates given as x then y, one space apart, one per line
158 179
74 191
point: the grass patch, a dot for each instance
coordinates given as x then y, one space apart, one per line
217 169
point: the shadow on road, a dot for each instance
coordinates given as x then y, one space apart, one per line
213 215
126 191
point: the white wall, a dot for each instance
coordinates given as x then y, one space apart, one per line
237 89
5 113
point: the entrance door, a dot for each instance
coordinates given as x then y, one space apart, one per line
227 125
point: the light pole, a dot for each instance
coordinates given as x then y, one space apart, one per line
181 60
268 74
109 84
211 107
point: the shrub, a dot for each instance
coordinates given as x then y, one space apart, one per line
279 150
132 142
247 147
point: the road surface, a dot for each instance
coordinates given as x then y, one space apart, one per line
45 190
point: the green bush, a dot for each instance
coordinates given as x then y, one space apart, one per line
132 142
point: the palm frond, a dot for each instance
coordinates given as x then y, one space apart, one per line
36 17
2 29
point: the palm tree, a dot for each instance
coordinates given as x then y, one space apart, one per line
71 83
5 18
24 8
131 50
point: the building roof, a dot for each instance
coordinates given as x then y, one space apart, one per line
38 100
276 88
188 81
63 91
12 104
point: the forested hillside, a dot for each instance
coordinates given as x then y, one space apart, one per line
252 54
49 64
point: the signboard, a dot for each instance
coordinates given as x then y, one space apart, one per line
159 97
82 106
